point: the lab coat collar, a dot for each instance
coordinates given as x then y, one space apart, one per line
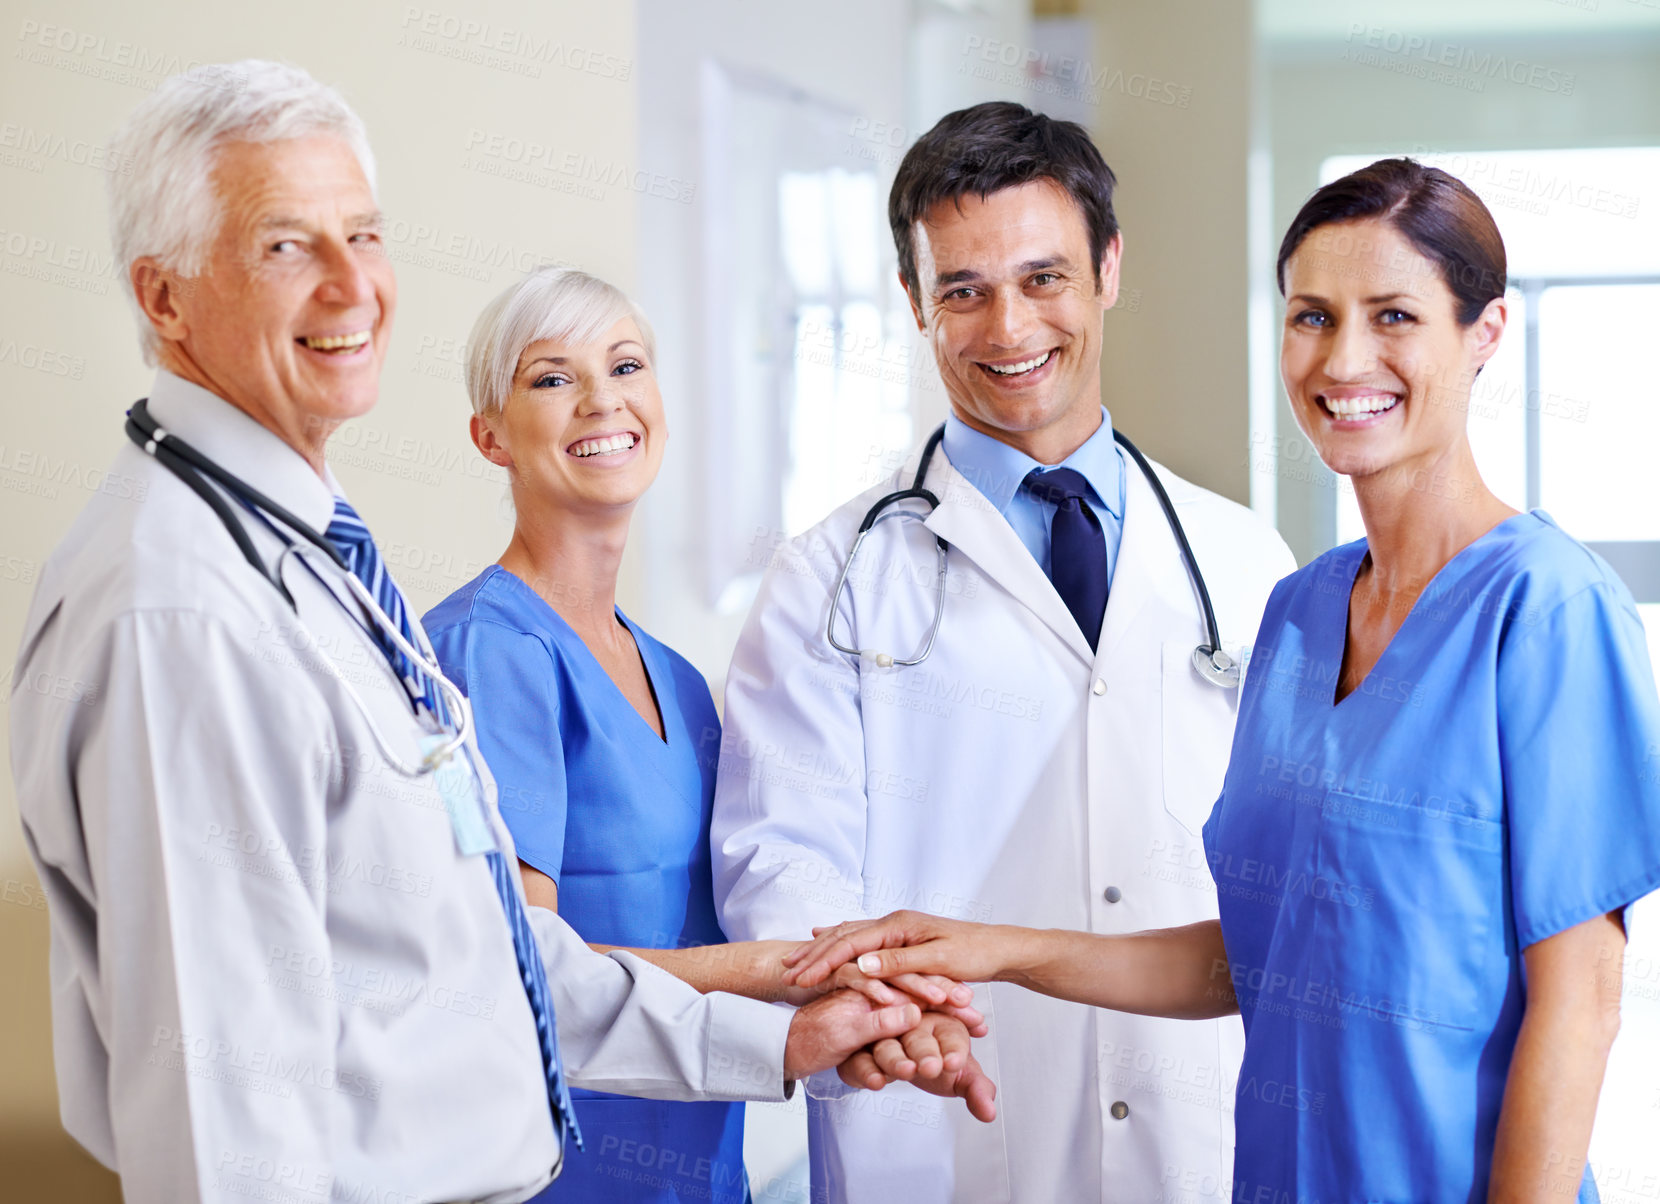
967 520
996 469
1149 565
1149 561
232 438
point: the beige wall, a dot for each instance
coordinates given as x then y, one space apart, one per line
1173 118
435 93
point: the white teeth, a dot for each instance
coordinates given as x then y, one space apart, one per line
338 342
1023 366
608 446
1355 407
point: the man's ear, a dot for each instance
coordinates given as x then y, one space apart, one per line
160 293
916 309
1111 256
489 443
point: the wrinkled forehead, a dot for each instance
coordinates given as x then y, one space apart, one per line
297 181
998 234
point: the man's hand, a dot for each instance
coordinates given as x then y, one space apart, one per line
931 992
934 1056
906 943
830 1030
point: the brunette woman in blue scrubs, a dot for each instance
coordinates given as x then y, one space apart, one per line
1442 797
604 742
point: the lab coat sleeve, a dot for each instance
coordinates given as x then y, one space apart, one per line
629 1028
788 829
201 776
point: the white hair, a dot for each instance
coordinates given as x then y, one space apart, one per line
166 207
550 303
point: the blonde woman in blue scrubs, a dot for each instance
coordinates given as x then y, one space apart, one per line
1441 800
603 741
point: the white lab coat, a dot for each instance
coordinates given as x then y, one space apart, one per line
273 973
1012 777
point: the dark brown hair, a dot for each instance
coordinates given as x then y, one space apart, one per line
990 147
1437 213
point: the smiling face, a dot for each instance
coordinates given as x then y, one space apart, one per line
291 318
1009 303
1375 364
582 428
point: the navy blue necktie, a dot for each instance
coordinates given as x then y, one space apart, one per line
1077 549
350 538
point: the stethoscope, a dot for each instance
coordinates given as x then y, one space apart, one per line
192 466
1214 665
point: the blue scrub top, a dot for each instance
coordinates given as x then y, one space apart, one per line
1382 863
619 818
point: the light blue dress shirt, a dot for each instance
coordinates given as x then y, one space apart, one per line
996 470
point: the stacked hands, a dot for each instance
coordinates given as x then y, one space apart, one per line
903 1021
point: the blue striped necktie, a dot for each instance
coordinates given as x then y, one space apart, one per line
351 539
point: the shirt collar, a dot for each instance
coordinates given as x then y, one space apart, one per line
996 469
233 439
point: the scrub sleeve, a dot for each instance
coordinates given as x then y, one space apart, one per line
1577 741
519 742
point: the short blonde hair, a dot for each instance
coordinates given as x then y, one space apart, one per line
550 303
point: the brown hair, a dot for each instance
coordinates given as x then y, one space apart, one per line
1436 212
990 147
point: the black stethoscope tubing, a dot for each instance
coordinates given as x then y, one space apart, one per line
196 470
1211 651
190 466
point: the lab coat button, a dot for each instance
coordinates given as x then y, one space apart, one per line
1112 894
1120 1110
1099 688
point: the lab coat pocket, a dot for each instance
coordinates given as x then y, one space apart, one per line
1409 897
1197 718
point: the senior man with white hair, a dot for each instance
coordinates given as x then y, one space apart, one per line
289 954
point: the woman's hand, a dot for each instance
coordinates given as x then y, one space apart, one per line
899 948
932 992
934 1056
1182 973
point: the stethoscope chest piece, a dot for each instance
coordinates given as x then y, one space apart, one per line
1216 667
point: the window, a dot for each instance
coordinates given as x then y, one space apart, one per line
805 349
848 404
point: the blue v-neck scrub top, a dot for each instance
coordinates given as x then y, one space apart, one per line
619 818
1382 863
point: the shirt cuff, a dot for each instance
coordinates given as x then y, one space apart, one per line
745 1058
827 1084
